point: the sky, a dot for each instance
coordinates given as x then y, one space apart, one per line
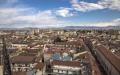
59 13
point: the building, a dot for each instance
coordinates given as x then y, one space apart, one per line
23 63
108 60
26 65
65 67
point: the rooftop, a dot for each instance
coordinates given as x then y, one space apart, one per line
23 59
115 61
66 63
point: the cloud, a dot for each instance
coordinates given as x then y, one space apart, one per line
8 1
14 11
65 12
111 4
31 17
102 4
21 17
4 3
11 1
114 22
84 6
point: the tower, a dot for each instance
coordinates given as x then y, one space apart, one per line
5 59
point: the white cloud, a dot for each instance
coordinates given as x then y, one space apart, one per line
84 6
114 22
13 11
102 4
11 1
8 1
64 12
21 17
28 17
111 4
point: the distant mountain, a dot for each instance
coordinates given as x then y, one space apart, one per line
114 27
92 27
68 27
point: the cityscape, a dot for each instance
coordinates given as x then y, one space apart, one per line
60 52
59 37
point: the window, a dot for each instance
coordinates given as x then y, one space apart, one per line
60 71
64 72
70 72
55 71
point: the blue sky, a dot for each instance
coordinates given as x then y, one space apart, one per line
58 13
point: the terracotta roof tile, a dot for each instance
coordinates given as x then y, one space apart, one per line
115 61
23 59
19 73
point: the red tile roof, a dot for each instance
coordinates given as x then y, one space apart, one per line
23 59
19 73
115 61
